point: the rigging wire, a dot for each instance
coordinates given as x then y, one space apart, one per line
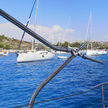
26 25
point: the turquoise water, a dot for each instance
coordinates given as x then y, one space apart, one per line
19 81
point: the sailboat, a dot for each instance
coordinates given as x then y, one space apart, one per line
93 52
3 53
34 55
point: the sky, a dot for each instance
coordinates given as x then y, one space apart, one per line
58 20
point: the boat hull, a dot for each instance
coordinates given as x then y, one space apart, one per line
34 56
62 57
95 52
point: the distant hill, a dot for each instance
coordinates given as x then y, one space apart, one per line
11 43
95 44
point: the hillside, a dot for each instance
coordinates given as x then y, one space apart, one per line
95 44
11 43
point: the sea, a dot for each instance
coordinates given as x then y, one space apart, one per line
18 81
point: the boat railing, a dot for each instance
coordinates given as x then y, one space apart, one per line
101 85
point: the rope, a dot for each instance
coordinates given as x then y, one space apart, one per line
62 97
27 24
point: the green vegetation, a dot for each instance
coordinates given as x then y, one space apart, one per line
75 44
1 45
11 43
2 37
66 44
99 45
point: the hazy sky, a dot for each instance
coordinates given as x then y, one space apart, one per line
58 20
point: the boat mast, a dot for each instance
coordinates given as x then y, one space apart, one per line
91 27
36 15
89 31
37 5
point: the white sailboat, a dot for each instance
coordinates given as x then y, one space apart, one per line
2 52
62 57
95 52
34 55
92 52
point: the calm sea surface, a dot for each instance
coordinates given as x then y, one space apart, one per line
19 81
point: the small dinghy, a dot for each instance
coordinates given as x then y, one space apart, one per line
62 57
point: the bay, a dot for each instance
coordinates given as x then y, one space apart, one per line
18 81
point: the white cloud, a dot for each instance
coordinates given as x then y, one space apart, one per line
53 34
